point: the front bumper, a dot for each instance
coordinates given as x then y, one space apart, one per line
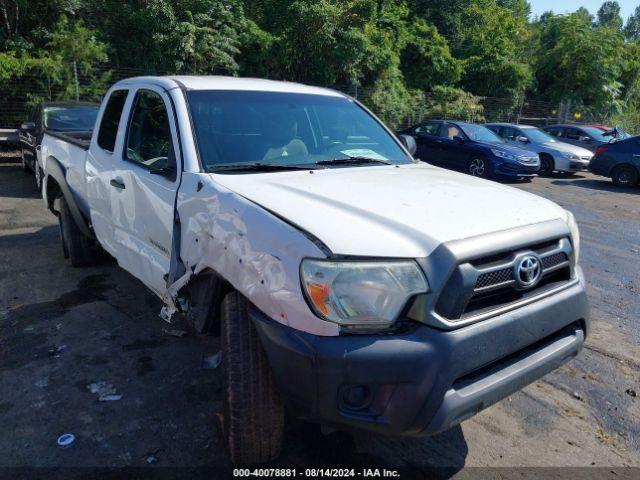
578 165
425 380
517 170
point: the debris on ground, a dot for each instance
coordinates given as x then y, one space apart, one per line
212 362
175 332
66 440
577 396
631 392
55 351
105 391
152 457
603 437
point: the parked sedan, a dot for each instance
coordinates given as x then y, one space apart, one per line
473 149
554 155
581 135
70 118
620 161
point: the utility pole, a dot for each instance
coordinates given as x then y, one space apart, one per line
75 78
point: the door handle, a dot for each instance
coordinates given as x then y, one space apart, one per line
117 184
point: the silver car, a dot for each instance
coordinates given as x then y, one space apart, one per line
554 155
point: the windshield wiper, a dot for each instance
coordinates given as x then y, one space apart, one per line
255 167
352 161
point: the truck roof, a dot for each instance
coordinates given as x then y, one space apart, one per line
215 82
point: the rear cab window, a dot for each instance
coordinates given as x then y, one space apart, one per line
111 120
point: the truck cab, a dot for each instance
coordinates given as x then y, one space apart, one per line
349 282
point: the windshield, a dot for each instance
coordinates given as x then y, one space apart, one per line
538 136
242 127
67 119
480 133
596 133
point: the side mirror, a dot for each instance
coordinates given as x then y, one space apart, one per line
409 143
28 127
458 139
523 139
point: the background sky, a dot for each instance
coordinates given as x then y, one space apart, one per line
538 7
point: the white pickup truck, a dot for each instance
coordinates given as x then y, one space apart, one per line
358 286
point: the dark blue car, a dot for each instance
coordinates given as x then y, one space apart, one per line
471 148
620 161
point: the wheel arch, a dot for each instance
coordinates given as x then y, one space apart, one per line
623 164
55 187
204 293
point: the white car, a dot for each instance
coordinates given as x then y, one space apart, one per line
348 281
554 155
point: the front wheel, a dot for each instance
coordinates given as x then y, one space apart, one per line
546 165
624 176
478 167
253 418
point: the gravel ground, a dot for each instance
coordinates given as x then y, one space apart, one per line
63 329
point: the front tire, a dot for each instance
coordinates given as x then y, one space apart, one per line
479 167
624 176
76 246
546 165
253 419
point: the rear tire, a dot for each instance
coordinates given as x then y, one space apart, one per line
624 176
75 245
38 176
547 165
253 419
23 162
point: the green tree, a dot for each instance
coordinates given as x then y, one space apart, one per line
75 53
580 63
427 60
452 103
609 15
632 27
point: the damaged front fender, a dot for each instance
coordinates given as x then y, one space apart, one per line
258 253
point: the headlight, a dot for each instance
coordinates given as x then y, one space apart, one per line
502 154
575 234
571 156
523 159
361 293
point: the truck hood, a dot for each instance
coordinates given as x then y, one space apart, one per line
390 211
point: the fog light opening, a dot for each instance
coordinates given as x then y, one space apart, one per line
357 397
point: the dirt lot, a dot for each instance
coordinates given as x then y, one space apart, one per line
62 329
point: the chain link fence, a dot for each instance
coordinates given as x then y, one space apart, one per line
21 93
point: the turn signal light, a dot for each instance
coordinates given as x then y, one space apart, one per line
319 294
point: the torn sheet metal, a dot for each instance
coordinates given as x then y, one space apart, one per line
256 252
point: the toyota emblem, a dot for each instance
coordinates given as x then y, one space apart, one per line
528 271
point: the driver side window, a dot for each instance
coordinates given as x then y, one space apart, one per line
148 134
450 131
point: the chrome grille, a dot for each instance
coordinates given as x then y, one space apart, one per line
554 260
492 279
